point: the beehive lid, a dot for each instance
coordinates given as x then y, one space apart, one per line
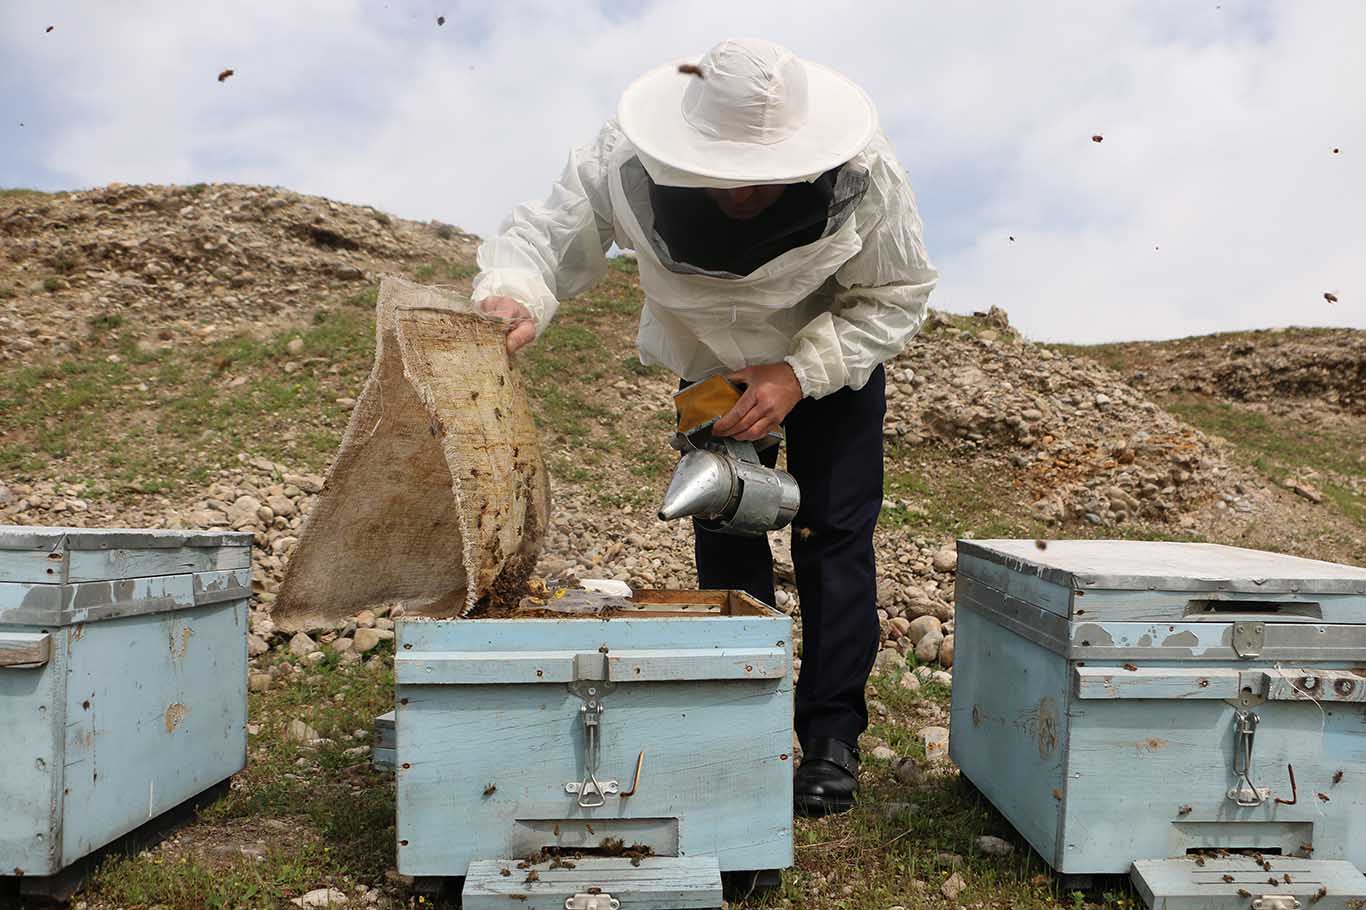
1149 565
59 576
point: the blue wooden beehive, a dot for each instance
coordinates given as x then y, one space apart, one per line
122 684
665 725
1142 707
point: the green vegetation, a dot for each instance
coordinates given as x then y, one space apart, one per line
441 270
183 411
18 194
904 840
1280 446
52 284
324 817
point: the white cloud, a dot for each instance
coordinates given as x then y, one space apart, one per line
1218 120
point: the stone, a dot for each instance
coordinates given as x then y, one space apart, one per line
922 626
349 658
256 646
910 682
259 682
927 649
942 678
320 899
281 505
946 651
908 772
299 732
898 626
301 645
945 560
315 658
365 619
295 346
888 661
994 846
953 887
936 740
309 483
883 753
243 511
367 640
342 645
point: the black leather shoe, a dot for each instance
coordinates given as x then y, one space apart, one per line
827 781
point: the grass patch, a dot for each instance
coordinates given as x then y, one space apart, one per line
183 412
101 323
1279 446
626 265
903 841
19 194
326 817
444 270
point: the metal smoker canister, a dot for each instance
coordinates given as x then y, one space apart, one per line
731 494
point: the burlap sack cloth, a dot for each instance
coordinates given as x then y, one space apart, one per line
439 497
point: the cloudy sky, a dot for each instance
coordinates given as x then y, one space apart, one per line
1229 191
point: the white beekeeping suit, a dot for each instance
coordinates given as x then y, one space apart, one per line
834 309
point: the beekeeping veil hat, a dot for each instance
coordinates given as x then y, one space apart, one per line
749 112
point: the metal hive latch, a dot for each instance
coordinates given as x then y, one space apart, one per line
1245 793
591 684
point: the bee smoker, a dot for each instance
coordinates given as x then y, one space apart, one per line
720 481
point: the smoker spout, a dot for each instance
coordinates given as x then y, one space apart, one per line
703 486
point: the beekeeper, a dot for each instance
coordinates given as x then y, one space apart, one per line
778 244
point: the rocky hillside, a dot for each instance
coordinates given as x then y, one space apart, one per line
210 260
1284 369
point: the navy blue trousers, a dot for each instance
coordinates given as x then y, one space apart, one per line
834 450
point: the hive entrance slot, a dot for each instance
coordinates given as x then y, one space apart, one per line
1235 851
1223 610
567 838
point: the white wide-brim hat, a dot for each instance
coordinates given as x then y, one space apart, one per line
749 112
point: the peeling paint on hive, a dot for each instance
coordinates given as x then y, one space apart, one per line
175 713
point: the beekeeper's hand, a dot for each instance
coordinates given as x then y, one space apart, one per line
521 328
771 391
